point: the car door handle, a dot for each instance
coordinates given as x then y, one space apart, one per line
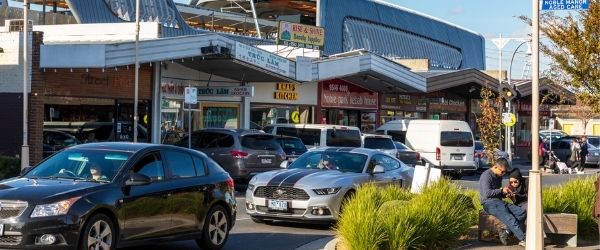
203 188
166 195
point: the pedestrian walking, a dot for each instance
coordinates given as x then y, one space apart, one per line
574 159
583 154
491 194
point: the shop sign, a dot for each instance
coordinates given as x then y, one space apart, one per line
300 35
403 103
338 93
447 104
525 109
262 58
286 91
177 90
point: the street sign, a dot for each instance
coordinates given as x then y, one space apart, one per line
565 4
509 119
191 95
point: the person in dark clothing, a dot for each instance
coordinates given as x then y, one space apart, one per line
491 194
582 154
518 188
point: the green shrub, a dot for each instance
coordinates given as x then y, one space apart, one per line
474 195
577 197
393 218
9 167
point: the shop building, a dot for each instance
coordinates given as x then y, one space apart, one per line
283 102
343 103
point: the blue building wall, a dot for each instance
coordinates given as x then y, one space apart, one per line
335 13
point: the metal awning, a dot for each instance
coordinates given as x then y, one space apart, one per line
467 82
210 53
369 71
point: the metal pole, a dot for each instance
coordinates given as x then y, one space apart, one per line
535 239
137 70
25 147
255 18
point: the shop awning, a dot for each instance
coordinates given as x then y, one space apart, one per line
369 71
210 53
467 82
550 92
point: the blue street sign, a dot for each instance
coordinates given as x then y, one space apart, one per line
565 4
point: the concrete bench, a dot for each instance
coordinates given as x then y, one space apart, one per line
558 228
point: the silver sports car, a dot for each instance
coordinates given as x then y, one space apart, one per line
314 187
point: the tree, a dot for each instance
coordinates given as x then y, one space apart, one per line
489 123
574 47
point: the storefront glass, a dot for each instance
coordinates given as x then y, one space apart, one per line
265 114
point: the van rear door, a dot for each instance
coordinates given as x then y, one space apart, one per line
456 149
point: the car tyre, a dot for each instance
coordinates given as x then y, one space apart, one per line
98 233
216 229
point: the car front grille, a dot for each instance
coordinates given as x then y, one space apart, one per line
282 193
10 240
293 211
11 209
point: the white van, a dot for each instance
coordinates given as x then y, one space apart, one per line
445 144
396 129
315 135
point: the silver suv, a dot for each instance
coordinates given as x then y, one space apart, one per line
241 152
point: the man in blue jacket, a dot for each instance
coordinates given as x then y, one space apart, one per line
491 194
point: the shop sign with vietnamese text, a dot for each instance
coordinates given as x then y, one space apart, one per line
262 59
176 90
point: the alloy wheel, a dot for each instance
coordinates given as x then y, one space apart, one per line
217 228
100 236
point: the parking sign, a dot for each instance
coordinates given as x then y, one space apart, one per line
191 95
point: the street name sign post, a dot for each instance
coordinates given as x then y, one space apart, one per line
565 4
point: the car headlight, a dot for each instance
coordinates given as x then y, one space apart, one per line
251 187
53 209
327 191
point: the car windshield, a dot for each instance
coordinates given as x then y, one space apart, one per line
379 143
400 146
291 144
342 161
81 164
594 141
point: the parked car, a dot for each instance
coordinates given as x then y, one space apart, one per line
109 195
292 146
315 186
55 140
241 152
100 131
554 134
383 143
407 155
444 144
481 159
396 129
562 149
315 135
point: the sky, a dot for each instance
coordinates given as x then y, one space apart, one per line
490 18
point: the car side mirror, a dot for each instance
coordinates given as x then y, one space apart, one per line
137 179
378 169
284 164
25 170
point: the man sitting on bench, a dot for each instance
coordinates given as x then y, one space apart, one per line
491 194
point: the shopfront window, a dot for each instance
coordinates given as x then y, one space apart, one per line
266 114
96 119
220 117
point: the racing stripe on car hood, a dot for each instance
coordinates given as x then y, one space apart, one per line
278 178
291 180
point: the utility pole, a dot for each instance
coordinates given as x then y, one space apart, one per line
137 70
25 147
535 239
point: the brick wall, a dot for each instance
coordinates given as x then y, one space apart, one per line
36 103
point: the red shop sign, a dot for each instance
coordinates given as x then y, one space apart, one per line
341 94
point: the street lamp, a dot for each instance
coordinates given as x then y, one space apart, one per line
508 132
25 147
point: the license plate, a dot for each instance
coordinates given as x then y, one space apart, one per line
266 161
1 229
278 205
458 157
596 154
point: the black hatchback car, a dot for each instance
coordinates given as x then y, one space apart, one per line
109 195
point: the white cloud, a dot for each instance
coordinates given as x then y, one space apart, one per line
456 10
